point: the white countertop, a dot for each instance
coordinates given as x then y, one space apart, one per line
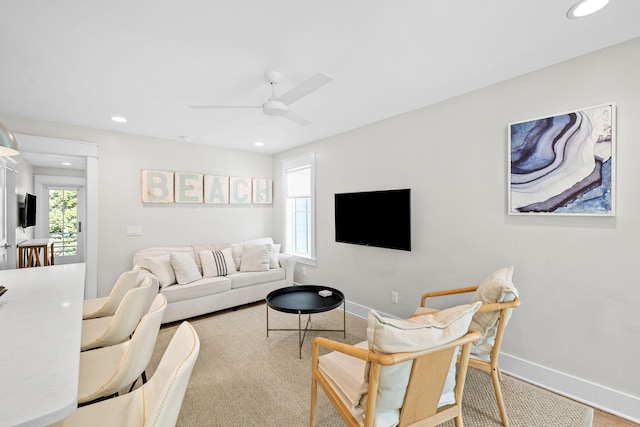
40 329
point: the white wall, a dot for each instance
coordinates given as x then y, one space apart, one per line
121 158
577 276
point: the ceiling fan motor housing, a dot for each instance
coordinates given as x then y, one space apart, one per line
274 107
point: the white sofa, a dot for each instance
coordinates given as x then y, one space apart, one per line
204 278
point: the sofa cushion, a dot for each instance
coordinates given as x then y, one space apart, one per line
386 335
255 257
243 279
217 263
184 265
202 247
197 289
236 248
496 287
161 267
274 256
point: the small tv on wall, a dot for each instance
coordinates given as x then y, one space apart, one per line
28 213
374 218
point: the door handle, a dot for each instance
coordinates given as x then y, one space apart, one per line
79 226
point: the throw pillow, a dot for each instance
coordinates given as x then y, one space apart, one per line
236 251
497 287
255 258
185 268
217 263
386 335
161 267
274 256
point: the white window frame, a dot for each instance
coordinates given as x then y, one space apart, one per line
306 160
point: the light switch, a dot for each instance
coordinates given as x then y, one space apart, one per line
134 230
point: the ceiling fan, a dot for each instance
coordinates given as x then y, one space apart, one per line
279 105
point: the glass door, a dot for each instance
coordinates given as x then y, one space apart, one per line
65 221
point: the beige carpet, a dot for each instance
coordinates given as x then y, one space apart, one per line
242 378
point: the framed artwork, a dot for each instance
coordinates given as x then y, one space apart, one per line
239 190
156 186
216 189
563 164
262 191
188 187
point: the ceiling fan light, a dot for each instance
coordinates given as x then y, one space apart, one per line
274 108
585 8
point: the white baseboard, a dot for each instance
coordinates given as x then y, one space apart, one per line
362 311
615 402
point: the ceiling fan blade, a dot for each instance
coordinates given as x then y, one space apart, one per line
306 87
209 107
296 118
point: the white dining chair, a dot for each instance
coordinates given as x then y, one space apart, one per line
155 404
111 330
109 371
107 306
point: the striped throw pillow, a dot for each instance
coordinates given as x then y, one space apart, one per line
217 263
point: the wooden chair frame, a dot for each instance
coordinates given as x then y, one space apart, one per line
428 375
491 366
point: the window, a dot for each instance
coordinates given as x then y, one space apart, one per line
298 177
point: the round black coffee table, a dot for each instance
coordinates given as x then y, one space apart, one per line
306 300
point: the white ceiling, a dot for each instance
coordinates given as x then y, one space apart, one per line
82 61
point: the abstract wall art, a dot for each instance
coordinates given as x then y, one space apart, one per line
563 164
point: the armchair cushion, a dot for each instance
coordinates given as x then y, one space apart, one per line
497 287
386 335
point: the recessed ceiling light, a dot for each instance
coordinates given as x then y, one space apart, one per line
258 143
585 8
119 119
66 164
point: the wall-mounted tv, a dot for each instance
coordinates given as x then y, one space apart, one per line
28 212
374 218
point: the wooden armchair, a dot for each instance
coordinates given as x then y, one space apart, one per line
491 320
420 399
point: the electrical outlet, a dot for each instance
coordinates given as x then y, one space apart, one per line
394 297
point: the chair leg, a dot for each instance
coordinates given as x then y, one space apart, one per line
314 394
495 378
458 420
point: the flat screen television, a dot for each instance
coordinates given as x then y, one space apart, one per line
28 214
374 218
